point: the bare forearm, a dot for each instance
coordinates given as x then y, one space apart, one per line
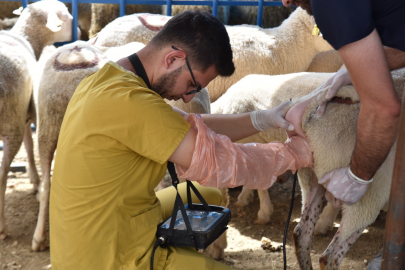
375 136
380 107
395 58
234 126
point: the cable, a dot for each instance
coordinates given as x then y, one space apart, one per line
288 222
158 242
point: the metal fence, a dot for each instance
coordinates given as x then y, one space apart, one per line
169 3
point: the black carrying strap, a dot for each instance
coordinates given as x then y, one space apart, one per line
179 204
176 181
139 69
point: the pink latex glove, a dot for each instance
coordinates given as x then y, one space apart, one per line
343 185
217 162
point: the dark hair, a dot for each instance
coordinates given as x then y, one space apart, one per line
202 36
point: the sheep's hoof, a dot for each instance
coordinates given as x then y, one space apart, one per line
216 253
38 245
3 235
260 221
327 263
321 230
34 190
239 204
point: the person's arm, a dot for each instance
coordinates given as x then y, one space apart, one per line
213 160
239 126
380 106
377 124
395 59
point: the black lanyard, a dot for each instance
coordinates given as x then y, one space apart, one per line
139 69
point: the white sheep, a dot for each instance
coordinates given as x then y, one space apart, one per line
63 71
273 16
40 24
131 28
285 49
332 139
102 14
7 23
246 96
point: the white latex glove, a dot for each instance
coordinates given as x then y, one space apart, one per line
335 82
344 186
272 118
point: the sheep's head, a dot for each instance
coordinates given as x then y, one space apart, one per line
50 15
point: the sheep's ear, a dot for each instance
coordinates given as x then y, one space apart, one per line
18 11
53 22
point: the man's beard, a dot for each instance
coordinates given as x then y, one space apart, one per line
306 5
165 84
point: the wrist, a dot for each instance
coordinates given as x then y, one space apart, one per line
257 120
358 179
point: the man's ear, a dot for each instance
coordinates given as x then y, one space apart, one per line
175 59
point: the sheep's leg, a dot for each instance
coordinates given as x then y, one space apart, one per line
266 207
333 255
216 249
5 167
11 144
326 219
47 141
245 197
29 147
313 200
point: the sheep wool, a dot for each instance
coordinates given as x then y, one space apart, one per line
332 139
40 24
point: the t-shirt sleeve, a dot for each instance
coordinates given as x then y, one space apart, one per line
342 22
143 122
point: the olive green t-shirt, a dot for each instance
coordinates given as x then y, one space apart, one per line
113 147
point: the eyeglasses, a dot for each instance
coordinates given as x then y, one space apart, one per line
198 89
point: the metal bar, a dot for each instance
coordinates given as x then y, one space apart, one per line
260 13
215 8
173 3
75 14
24 3
169 7
122 7
394 239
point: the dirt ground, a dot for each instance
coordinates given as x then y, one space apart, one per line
244 237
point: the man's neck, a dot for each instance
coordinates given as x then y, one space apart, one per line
143 57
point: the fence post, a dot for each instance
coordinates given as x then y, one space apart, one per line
169 8
24 3
260 13
394 238
215 8
122 7
75 14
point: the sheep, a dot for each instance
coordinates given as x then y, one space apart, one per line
40 24
326 61
7 23
332 139
102 14
131 28
241 98
284 49
64 70
272 16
